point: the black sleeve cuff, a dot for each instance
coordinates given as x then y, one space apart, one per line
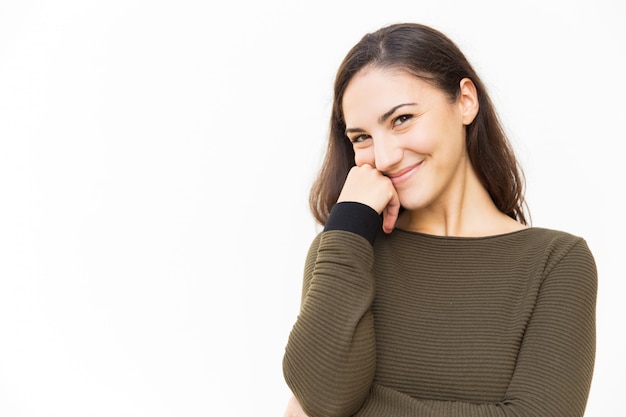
356 218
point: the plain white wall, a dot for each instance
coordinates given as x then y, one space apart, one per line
155 159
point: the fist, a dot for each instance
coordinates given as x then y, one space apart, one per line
368 186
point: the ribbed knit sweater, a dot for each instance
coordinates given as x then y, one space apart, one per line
409 324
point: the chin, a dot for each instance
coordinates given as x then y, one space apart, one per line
412 204
417 199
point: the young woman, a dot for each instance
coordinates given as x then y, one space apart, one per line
427 294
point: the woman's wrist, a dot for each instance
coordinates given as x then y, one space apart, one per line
354 217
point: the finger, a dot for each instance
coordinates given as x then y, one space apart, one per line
366 185
391 213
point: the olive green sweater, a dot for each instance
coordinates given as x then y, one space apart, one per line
409 324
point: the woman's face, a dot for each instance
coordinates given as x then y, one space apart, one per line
411 132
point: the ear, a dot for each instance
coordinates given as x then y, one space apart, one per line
468 100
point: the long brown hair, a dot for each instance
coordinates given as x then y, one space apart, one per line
432 56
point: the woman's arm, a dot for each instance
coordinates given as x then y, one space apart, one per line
330 357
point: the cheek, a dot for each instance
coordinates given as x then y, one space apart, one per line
441 139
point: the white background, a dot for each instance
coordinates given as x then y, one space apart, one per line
155 160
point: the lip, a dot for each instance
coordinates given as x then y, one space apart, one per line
404 174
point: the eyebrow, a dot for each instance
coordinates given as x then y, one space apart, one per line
384 117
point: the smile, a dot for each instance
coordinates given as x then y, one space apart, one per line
404 174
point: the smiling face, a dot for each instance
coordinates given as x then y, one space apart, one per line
411 132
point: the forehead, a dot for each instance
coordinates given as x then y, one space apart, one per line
373 91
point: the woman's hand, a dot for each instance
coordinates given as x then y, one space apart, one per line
294 409
369 186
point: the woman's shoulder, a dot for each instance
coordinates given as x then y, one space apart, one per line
547 248
560 244
552 237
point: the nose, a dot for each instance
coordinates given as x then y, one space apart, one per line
387 153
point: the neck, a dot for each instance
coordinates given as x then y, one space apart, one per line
465 211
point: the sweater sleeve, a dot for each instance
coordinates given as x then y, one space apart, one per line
555 362
330 357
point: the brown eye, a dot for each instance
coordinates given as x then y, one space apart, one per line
401 119
359 138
